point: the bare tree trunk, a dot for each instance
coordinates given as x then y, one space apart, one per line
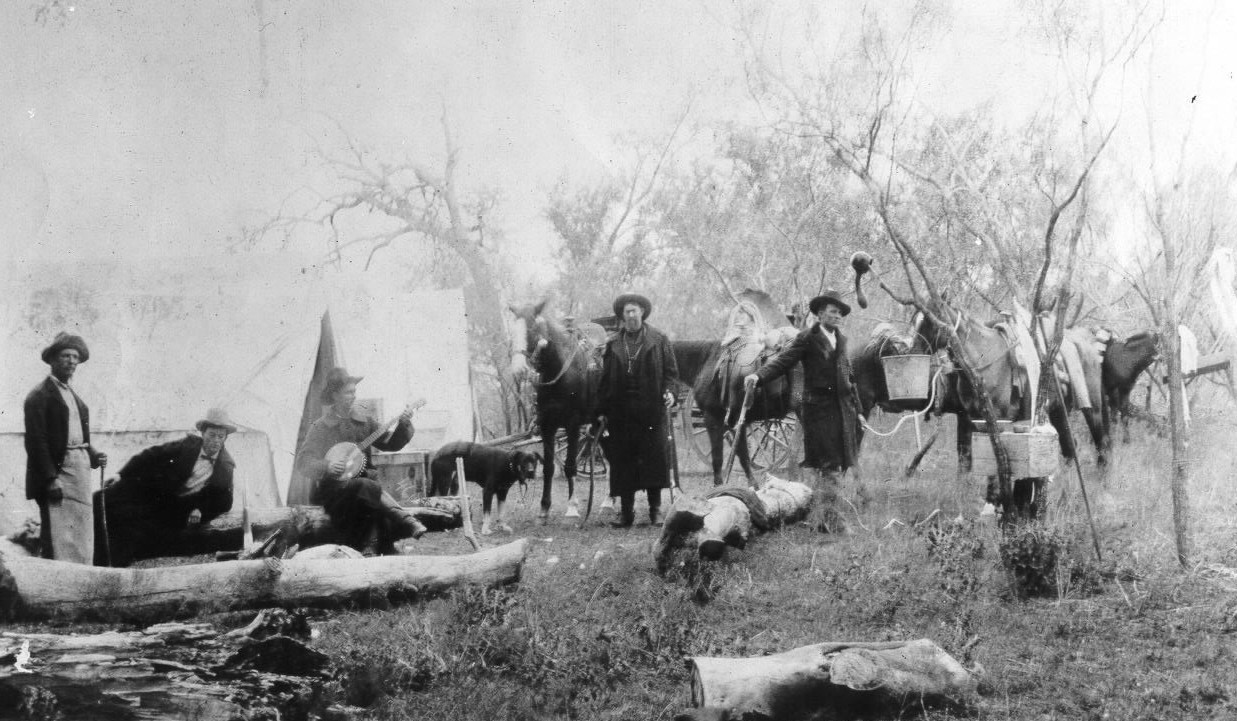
1178 430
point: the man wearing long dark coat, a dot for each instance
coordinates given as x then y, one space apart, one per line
162 491
59 455
638 372
831 431
365 515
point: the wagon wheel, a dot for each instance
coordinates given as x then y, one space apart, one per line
699 436
600 469
768 442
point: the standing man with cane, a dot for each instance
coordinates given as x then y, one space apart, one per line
637 375
59 456
831 431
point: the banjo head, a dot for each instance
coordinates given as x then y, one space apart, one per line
350 454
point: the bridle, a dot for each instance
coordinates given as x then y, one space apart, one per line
543 341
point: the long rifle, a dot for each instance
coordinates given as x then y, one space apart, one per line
107 538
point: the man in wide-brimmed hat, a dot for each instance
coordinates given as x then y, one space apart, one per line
637 377
163 490
831 431
59 455
367 516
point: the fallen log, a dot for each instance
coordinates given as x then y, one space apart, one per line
303 525
168 671
38 588
727 518
829 680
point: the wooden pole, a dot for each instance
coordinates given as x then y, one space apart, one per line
464 509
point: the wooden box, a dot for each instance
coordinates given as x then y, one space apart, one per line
405 474
1032 454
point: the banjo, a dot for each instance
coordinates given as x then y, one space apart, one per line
353 454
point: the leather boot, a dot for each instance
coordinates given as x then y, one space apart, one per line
400 523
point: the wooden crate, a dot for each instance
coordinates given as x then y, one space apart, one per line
1031 454
405 474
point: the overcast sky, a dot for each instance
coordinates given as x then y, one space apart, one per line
134 128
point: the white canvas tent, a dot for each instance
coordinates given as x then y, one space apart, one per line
172 338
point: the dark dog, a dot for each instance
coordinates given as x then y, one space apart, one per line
496 470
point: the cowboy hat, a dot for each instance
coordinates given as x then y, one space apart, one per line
622 301
829 297
216 418
66 340
337 378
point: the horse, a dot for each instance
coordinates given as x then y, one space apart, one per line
1124 361
568 374
718 388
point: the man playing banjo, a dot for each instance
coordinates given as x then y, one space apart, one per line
356 504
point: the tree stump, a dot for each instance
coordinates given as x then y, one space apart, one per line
829 680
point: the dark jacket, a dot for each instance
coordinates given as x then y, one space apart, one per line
47 428
637 444
831 405
153 477
329 430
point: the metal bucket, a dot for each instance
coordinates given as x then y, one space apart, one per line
907 376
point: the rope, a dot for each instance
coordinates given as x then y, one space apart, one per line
863 422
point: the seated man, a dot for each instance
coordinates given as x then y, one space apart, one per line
163 490
366 515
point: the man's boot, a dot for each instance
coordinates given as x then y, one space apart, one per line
399 522
627 511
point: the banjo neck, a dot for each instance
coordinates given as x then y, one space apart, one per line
371 438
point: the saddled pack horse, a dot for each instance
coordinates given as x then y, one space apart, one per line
994 358
718 390
568 374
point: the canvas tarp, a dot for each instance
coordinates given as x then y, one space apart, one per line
174 337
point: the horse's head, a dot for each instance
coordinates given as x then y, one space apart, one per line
1145 345
529 334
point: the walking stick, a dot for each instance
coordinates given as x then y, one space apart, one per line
107 538
674 454
734 447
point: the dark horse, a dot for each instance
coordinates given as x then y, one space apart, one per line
568 374
1124 361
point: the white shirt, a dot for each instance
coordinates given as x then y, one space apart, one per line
831 336
75 417
202 469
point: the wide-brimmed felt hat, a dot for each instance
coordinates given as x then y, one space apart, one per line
830 296
216 418
337 378
66 340
622 301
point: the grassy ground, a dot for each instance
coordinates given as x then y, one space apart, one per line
592 632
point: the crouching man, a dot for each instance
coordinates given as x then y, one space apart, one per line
162 491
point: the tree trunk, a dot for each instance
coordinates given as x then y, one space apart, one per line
829 680
169 671
304 525
1179 431
710 525
42 589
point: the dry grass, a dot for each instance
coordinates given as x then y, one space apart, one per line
593 632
